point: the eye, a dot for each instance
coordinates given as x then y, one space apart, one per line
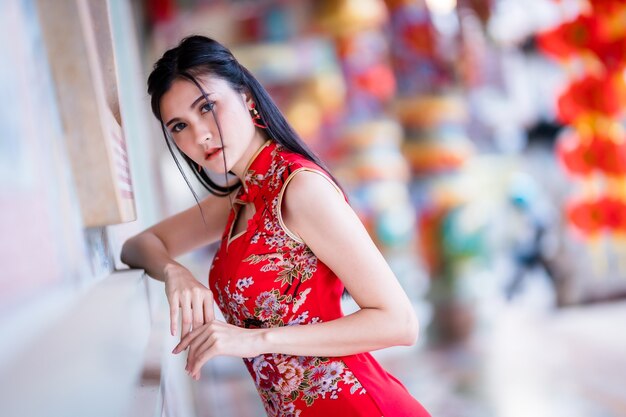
206 107
178 127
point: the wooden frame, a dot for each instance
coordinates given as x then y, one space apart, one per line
78 39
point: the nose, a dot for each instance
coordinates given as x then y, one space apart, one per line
203 135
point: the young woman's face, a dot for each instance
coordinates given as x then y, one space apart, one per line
188 118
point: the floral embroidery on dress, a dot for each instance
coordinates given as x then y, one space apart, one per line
300 299
269 308
300 377
270 287
243 283
297 263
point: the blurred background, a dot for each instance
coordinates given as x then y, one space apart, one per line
481 143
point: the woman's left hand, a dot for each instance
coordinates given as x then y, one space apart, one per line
217 338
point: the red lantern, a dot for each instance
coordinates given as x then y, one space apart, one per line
611 54
568 39
599 38
588 217
614 213
613 156
590 94
607 7
591 217
575 156
600 153
604 36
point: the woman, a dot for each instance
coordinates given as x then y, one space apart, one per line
290 243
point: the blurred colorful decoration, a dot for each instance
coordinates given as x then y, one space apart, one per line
481 8
447 244
450 249
436 140
593 148
378 174
374 165
418 65
347 17
160 11
362 50
432 156
366 68
305 79
428 65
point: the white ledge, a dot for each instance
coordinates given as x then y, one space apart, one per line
88 361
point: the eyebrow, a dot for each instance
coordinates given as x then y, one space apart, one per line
194 104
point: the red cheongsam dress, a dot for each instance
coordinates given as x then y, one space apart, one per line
266 276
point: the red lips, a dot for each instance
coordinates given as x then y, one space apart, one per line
208 154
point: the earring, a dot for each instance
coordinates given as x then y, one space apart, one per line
256 117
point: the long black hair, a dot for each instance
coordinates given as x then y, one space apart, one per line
199 55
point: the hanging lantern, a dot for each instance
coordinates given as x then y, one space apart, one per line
591 94
612 54
608 8
602 214
578 158
587 216
595 146
613 160
597 37
599 152
568 39
614 213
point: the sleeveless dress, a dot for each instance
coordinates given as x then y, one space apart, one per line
266 276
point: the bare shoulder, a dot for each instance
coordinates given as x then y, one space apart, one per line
308 191
311 200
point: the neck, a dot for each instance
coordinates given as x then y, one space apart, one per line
241 167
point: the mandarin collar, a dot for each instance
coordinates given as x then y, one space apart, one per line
257 166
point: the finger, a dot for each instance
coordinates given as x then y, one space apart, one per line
182 345
197 307
186 321
206 352
174 306
187 340
209 314
195 346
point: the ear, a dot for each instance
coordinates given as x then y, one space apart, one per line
247 98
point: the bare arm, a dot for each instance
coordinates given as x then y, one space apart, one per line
155 248
316 212
328 225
